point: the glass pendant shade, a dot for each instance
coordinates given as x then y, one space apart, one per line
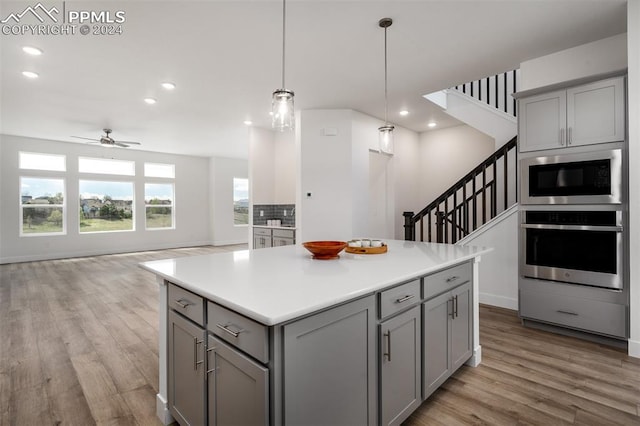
386 138
282 113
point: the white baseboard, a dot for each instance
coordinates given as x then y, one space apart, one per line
52 255
162 410
634 348
499 301
218 243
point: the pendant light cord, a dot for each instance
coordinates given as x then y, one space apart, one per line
284 12
385 77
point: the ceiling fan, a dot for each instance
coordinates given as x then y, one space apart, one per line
108 141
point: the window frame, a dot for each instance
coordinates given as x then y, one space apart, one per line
62 206
172 205
233 193
133 205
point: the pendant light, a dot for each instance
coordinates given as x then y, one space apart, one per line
282 113
385 132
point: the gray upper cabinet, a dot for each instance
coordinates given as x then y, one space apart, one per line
186 370
447 336
400 369
238 387
330 367
582 115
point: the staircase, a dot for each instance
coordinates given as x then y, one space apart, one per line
485 104
474 200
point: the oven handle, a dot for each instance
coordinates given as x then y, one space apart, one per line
573 227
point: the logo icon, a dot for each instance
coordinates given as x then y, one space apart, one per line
38 11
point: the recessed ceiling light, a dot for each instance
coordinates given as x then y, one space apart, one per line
150 101
32 50
168 85
432 124
30 74
404 112
248 122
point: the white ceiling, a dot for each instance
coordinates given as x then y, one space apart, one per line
225 58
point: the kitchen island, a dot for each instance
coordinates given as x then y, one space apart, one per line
276 337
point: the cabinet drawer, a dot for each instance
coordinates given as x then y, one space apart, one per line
446 280
262 231
399 298
242 332
576 312
186 303
284 233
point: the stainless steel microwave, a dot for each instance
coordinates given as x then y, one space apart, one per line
585 178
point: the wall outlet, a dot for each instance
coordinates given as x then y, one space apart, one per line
261 213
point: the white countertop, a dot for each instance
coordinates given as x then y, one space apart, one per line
279 284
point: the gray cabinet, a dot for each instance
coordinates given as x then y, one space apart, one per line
238 387
447 334
330 367
268 237
582 115
400 370
186 370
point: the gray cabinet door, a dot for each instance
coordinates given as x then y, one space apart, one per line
330 367
281 241
238 387
542 121
461 326
186 370
437 360
400 366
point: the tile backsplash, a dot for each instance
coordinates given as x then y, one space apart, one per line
284 212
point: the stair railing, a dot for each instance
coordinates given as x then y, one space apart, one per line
495 91
470 202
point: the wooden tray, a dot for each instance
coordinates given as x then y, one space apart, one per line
366 250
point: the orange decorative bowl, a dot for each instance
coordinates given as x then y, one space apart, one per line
325 249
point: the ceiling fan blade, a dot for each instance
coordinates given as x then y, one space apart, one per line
89 139
121 144
130 143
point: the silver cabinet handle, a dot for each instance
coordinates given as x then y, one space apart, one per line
209 361
450 312
183 303
569 135
452 279
387 334
566 312
455 304
196 342
562 136
228 330
405 298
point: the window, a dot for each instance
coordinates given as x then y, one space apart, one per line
158 201
240 201
106 166
42 204
106 206
37 161
159 170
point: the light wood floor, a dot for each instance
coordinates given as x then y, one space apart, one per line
79 346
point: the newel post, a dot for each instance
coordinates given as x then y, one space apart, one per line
409 227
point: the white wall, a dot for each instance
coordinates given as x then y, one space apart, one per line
222 172
598 57
191 204
633 45
284 174
261 165
447 155
499 268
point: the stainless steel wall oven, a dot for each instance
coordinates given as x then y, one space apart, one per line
585 178
582 247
